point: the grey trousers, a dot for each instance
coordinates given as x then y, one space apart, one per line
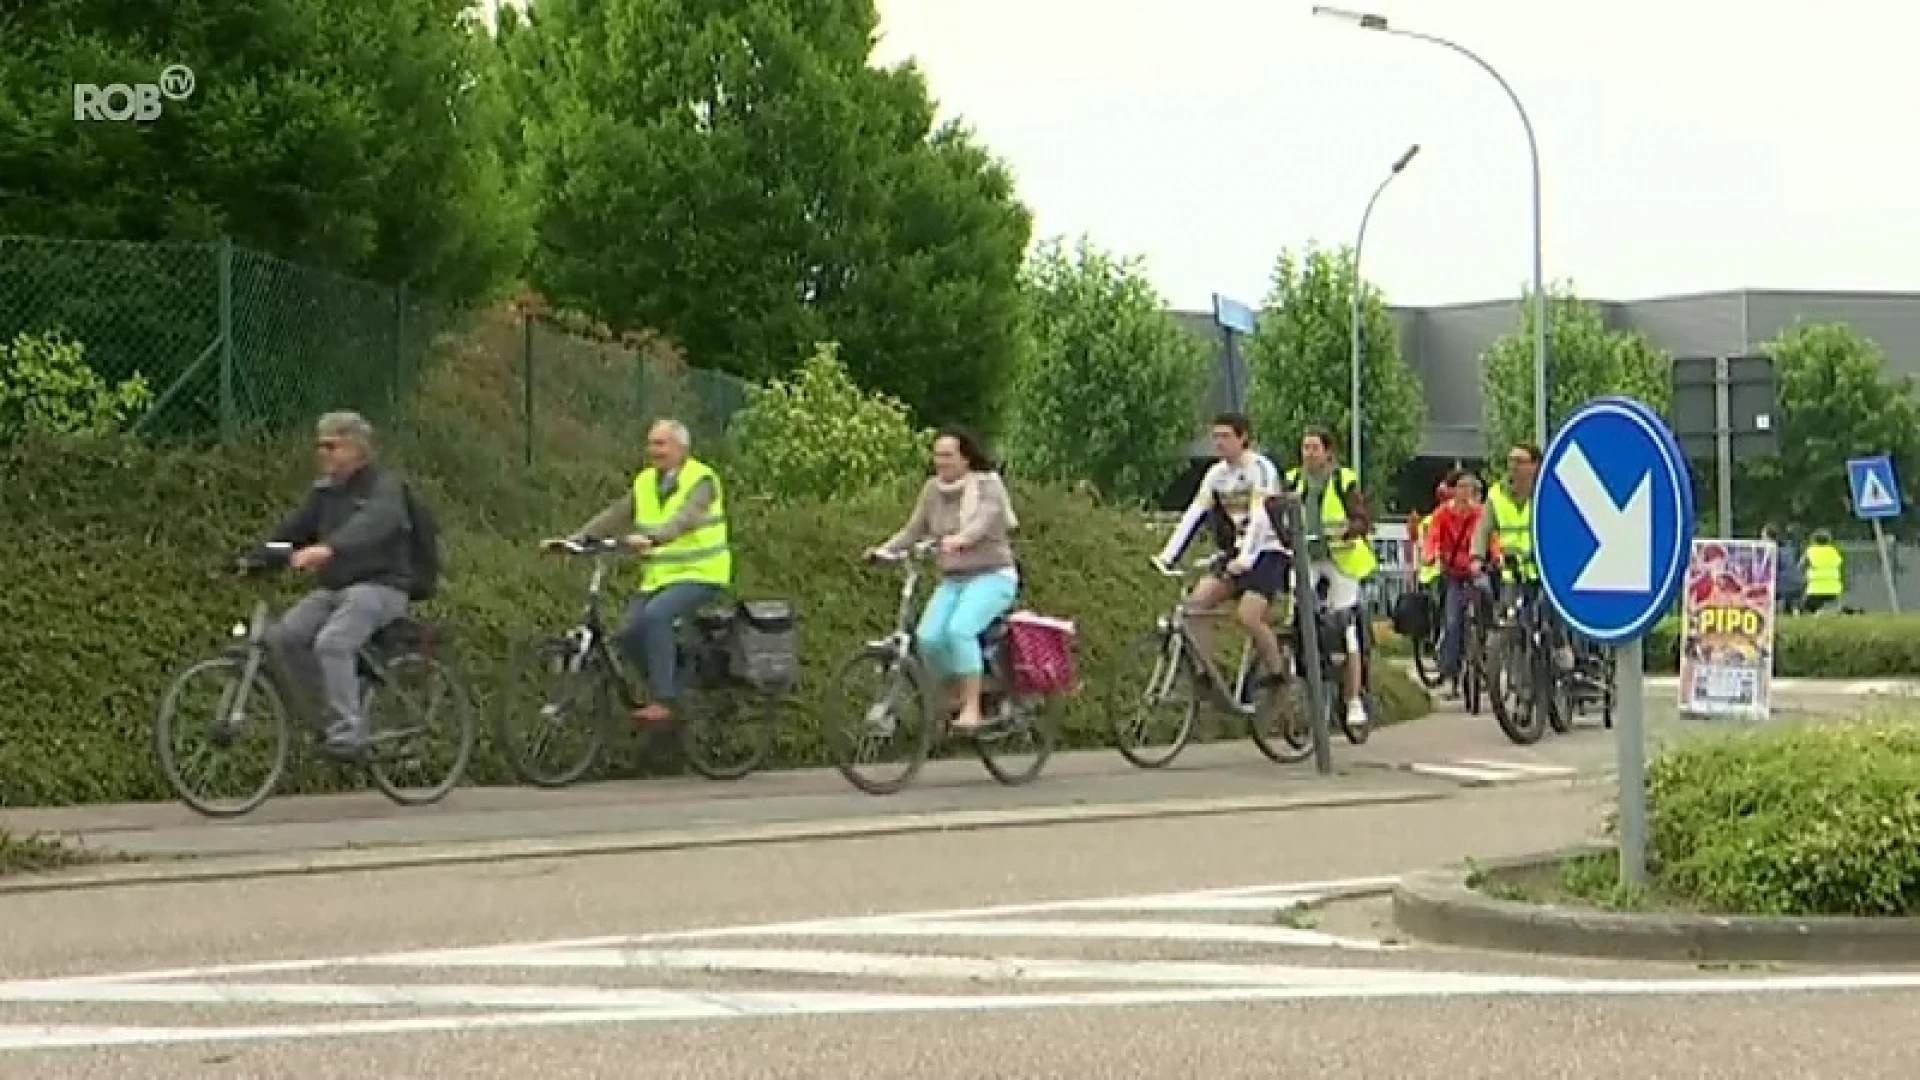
318 642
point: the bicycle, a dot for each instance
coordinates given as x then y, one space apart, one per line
1426 647
1175 662
583 665
392 666
1330 628
900 705
1529 693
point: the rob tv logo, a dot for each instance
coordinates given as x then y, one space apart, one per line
139 102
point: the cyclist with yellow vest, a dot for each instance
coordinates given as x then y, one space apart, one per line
675 515
1510 515
1341 551
1826 572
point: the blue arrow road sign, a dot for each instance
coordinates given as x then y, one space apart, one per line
1612 519
1875 494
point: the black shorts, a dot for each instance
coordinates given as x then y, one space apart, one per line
1270 575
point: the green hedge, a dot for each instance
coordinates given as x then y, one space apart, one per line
112 556
1866 646
1792 820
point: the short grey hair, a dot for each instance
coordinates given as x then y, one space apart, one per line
347 425
676 429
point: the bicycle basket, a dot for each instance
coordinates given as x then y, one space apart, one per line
1040 649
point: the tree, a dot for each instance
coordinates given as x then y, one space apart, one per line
1301 361
356 135
1107 388
817 436
1836 401
734 174
1585 359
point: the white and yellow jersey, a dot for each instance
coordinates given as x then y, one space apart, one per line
1240 489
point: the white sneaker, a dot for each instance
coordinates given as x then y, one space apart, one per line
1356 714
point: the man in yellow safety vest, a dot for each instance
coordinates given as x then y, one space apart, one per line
676 516
1510 515
1339 548
1826 572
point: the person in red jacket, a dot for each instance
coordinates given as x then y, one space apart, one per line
1450 536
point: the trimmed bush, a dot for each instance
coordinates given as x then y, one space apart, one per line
820 436
1866 646
1792 820
113 557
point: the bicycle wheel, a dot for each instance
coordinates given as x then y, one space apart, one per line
1473 669
218 697
727 732
877 700
1281 725
1171 697
421 719
1510 689
1554 688
566 730
1020 732
1426 661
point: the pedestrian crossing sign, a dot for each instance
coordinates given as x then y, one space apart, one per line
1875 493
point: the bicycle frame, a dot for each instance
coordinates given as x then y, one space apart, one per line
899 641
1186 651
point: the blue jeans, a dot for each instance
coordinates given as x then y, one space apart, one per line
957 613
1456 595
647 635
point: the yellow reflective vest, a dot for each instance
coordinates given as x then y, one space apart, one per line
1353 558
1429 568
1514 523
701 554
1826 571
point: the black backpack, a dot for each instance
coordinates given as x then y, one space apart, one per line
423 547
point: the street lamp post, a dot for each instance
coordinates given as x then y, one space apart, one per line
1359 286
1379 23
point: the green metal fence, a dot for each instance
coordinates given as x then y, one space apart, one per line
231 342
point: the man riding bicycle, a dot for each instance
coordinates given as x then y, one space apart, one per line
1463 582
354 534
1340 550
676 515
1509 515
1233 497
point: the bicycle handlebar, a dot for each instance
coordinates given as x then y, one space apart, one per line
272 555
918 551
581 545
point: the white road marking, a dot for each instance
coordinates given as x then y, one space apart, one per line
1041 929
710 1005
507 1006
1488 772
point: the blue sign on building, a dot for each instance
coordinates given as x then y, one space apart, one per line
1612 519
1875 493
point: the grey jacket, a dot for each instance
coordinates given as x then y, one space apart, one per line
364 520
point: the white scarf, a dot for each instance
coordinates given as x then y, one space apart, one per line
969 488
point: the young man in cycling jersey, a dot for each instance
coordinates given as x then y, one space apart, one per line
1233 495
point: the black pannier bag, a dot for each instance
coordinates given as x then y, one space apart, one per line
764 652
1413 615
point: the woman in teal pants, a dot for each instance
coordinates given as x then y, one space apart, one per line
965 508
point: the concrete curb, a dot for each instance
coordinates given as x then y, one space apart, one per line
1437 906
188 869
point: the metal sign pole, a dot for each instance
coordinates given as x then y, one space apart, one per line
1886 565
1306 608
1629 727
1723 442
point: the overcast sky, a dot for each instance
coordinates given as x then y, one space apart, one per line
1686 145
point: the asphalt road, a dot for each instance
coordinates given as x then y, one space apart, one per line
1436 755
687 964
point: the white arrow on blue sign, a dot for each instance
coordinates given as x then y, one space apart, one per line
1875 493
1612 519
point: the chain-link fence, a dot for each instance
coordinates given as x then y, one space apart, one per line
230 342
234 343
